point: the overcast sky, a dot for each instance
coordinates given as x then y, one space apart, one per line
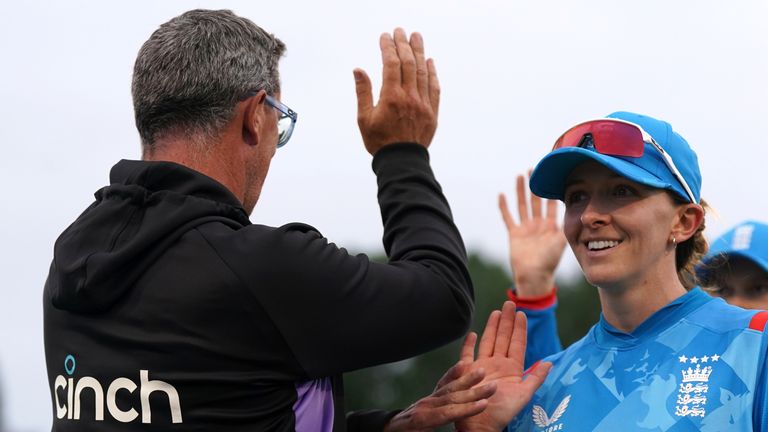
514 74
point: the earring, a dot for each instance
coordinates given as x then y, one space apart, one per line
674 241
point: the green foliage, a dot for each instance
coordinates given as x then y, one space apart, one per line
578 309
397 385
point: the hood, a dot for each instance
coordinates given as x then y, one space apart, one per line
144 210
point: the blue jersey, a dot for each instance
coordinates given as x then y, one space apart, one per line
696 364
543 340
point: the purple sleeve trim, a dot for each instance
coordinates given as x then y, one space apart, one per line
314 406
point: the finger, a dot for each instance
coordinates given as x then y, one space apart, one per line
430 418
407 60
467 353
552 209
505 214
391 62
488 339
434 86
467 394
422 75
519 339
535 202
522 204
535 377
463 382
455 372
505 329
364 94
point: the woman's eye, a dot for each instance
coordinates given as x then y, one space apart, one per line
624 191
574 197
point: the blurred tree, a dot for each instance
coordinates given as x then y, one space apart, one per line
578 309
397 385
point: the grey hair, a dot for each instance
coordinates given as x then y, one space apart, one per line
191 73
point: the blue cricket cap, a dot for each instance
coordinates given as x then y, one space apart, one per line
549 176
748 239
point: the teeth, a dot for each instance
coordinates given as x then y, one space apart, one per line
603 244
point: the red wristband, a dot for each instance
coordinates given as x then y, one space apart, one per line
534 303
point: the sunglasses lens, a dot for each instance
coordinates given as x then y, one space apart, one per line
284 129
618 139
609 137
572 137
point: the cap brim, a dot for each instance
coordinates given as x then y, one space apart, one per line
549 177
748 254
703 270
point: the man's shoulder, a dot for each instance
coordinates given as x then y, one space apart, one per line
256 231
255 246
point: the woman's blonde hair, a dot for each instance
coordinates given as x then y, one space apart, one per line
688 254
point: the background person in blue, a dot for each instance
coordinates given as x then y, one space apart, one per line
736 267
661 358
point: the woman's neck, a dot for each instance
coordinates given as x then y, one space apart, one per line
626 305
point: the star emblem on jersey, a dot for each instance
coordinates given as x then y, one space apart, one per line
692 392
542 420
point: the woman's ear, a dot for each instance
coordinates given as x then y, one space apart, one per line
689 219
253 109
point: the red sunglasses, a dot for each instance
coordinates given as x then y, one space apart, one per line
616 137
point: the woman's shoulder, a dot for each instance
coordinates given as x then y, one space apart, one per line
720 316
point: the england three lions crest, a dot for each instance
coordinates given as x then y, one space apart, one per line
542 420
692 392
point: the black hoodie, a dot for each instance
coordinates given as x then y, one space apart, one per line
166 309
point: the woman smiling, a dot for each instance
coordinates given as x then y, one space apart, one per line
665 356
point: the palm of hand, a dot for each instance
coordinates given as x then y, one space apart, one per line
536 245
500 356
511 395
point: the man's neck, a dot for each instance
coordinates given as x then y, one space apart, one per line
209 160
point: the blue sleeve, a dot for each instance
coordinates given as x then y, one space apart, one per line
543 340
760 417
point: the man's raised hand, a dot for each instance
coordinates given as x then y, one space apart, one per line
409 99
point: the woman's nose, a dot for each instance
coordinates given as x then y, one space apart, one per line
593 216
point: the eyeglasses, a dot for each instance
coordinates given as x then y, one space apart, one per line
285 123
617 137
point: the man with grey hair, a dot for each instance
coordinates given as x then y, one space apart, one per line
166 309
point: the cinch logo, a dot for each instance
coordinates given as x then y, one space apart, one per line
74 389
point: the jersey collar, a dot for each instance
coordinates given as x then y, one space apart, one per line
608 336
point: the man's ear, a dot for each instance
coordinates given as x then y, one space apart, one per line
253 109
689 218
